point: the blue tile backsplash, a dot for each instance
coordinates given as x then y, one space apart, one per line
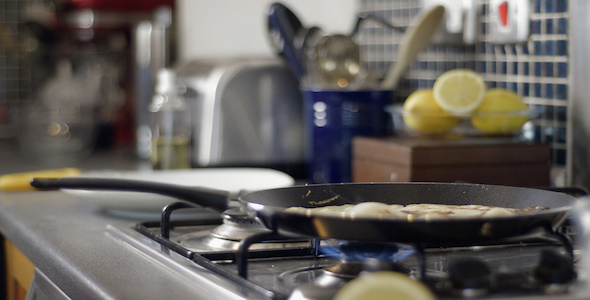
537 70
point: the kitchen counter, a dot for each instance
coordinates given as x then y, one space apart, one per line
68 239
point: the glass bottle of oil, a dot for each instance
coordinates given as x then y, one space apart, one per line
171 125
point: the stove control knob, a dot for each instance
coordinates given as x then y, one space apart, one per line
554 268
470 277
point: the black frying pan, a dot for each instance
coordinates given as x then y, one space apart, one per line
269 206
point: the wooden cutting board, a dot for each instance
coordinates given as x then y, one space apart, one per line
479 160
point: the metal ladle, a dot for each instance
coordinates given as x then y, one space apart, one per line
337 57
338 60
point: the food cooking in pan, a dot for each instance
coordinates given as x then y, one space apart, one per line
412 212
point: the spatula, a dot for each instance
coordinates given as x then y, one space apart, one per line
414 40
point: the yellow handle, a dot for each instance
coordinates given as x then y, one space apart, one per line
21 181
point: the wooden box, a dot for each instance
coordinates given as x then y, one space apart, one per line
478 160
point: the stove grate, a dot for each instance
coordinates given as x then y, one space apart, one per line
233 265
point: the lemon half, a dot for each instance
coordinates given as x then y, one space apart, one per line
503 107
423 114
384 285
459 91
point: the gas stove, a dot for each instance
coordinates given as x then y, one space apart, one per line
235 254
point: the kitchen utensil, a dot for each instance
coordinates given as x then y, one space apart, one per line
364 16
306 43
269 206
414 40
338 56
338 60
283 28
233 180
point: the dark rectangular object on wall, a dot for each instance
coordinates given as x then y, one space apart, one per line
478 160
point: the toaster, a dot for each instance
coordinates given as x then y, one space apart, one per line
248 113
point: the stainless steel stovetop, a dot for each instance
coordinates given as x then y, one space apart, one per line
206 250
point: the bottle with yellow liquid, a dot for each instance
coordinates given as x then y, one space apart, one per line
171 125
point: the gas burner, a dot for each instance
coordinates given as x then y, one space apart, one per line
360 251
322 282
344 270
352 269
338 272
236 227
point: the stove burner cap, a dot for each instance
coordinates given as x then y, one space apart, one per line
227 237
375 265
236 215
352 269
237 226
345 269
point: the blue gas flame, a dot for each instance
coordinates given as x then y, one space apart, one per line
360 251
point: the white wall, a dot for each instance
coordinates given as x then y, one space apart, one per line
230 28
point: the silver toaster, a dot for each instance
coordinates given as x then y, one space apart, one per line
249 112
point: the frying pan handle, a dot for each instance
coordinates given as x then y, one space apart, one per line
206 197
